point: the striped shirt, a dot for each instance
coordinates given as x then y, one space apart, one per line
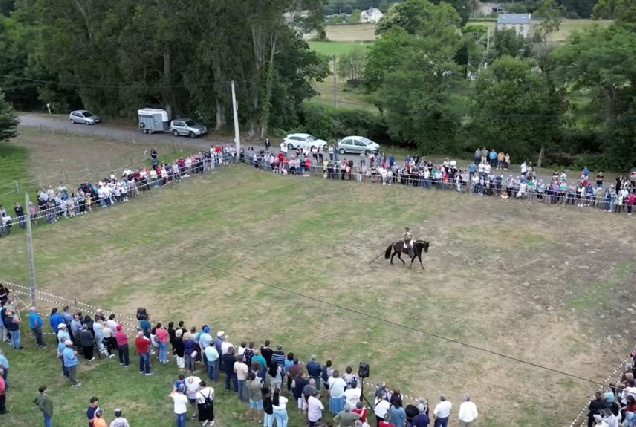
279 357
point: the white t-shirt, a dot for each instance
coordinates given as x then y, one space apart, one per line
381 408
192 387
336 387
225 346
203 393
282 403
442 410
352 396
180 403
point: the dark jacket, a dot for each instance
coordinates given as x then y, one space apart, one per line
86 338
228 363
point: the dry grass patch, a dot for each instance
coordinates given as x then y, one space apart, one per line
288 259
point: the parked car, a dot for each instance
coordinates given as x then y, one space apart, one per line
187 127
632 175
84 117
303 140
357 144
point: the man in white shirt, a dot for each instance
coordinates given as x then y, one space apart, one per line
381 408
467 412
442 412
225 345
314 409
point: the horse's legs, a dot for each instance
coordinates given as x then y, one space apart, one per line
392 257
400 257
421 263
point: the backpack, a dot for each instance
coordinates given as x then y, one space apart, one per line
141 313
208 400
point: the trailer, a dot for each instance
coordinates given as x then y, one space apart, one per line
153 120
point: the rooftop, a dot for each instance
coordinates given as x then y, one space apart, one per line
514 18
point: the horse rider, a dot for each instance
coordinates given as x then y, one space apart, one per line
407 239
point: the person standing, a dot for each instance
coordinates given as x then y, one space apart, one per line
142 345
119 421
442 412
69 358
3 397
87 342
4 365
162 338
35 324
467 412
12 324
45 404
92 409
122 347
180 407
279 404
314 409
205 404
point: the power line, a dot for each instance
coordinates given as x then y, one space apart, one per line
339 306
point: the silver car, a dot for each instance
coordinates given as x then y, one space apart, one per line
84 117
357 144
187 127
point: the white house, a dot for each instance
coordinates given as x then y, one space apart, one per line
520 22
373 16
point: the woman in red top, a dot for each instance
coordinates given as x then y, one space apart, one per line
631 199
362 411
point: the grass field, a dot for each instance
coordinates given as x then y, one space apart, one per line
521 279
366 32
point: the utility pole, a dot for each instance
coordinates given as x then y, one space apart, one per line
335 83
30 252
487 48
236 123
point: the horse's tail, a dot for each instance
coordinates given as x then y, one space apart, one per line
387 254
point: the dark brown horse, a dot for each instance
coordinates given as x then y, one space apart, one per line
419 247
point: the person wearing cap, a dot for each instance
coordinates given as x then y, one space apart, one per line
69 358
62 333
119 421
45 404
467 412
122 346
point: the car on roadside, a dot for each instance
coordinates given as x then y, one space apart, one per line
632 175
357 145
303 140
187 127
84 117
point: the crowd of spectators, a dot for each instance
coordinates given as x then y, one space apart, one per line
483 177
268 380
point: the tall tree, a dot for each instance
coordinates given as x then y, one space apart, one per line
515 109
8 120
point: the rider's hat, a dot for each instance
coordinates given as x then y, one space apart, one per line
406 228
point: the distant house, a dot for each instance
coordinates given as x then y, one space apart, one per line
372 15
521 23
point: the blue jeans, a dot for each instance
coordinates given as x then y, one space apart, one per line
48 421
268 420
212 370
15 339
181 419
441 422
241 386
163 351
144 363
231 377
281 417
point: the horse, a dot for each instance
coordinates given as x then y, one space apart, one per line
398 249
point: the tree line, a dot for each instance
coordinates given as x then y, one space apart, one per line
439 84
448 87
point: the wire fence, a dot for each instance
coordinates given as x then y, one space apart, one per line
360 174
91 171
129 323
